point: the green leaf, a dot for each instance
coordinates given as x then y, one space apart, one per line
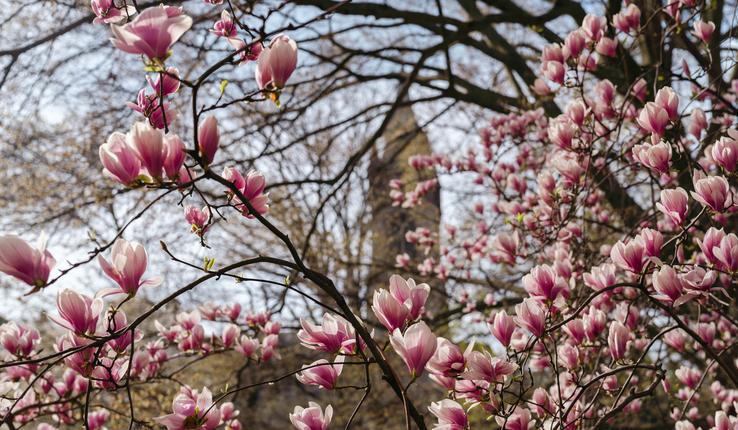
223 85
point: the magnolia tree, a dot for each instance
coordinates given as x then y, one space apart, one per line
611 220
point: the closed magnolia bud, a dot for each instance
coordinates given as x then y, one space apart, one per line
174 155
276 63
208 139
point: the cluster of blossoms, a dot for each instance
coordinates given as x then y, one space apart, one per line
618 295
607 296
101 348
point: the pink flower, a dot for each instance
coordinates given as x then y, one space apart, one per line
594 27
482 366
120 160
531 316
709 242
669 100
198 218
697 122
334 335
727 253
24 262
253 190
502 327
225 27
628 19
725 151
191 410
713 192
312 417
561 132
607 47
174 155
230 335
208 138
630 256
653 118
18 339
152 32
554 71
703 30
148 143
276 63
450 414
667 283
107 13
655 157
77 312
600 277
674 204
568 356
688 376
247 346
617 340
389 311
416 346
639 89
575 330
518 420
250 53
128 261
96 419
165 83
321 373
149 106
574 43
542 282
448 359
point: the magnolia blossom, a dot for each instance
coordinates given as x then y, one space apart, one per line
165 83
725 151
653 118
225 27
321 373
334 335
148 143
128 261
482 366
450 414
669 100
656 157
107 13
152 33
668 284
24 262
208 139
198 218
629 256
404 301
312 417
174 155
703 30
713 192
77 312
447 360
617 340
191 410
276 63
502 327
726 253
674 204
120 160
531 316
416 346
18 339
